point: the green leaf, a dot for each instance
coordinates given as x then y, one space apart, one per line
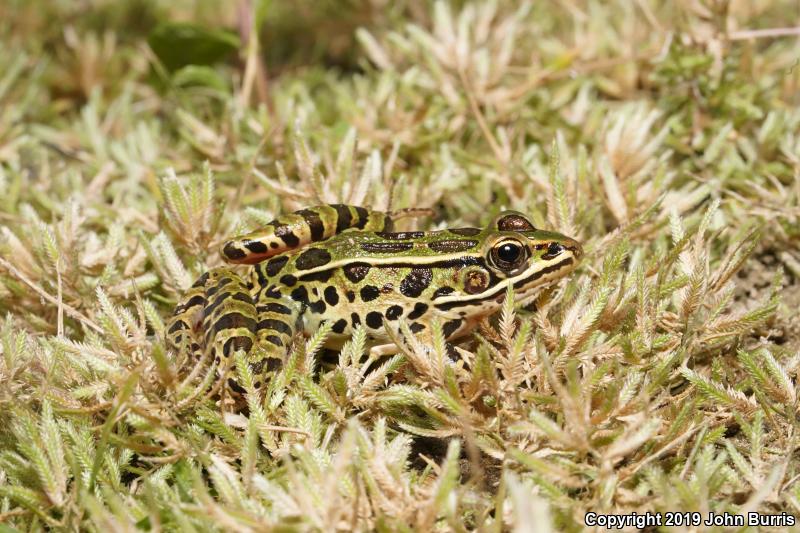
200 76
178 44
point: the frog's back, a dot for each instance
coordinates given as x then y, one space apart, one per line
378 278
372 278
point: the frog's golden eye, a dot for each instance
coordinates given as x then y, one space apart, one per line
508 254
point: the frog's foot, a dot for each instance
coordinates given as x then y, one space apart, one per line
382 350
183 328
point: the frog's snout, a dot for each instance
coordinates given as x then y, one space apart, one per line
573 246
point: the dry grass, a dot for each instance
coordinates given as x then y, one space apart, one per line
661 376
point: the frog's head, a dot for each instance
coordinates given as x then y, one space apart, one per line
512 253
527 258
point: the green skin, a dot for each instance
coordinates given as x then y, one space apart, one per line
342 265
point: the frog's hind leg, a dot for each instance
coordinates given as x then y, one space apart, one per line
229 321
183 327
298 229
219 316
263 327
277 323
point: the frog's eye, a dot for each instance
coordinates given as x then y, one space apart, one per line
508 254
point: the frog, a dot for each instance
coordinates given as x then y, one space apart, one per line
344 267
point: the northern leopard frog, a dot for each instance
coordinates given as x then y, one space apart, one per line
344 265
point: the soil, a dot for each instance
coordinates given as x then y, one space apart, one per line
753 286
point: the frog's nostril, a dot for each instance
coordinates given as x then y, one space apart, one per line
554 249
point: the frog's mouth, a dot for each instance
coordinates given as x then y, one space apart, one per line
526 286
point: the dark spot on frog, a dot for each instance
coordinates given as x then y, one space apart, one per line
369 293
450 327
263 279
400 235
277 326
356 272
201 280
443 291
285 233
232 252
300 294
418 311
273 292
257 247
235 387
274 339
343 217
315 225
387 247
415 282
321 276
177 326
363 217
276 264
312 258
237 343
394 312
452 245
374 320
331 296
274 307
